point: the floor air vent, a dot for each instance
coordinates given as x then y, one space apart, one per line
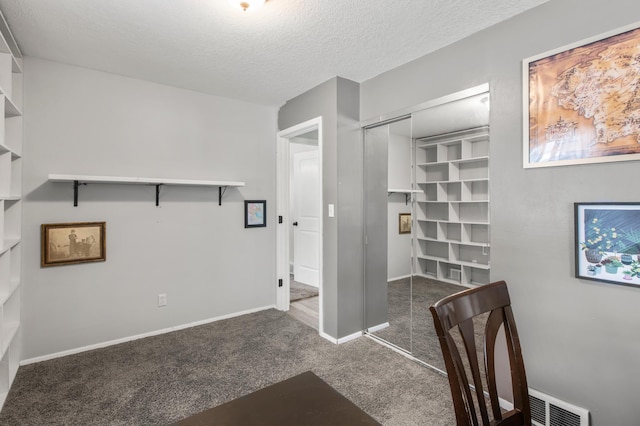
549 411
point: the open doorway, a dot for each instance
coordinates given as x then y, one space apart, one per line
299 235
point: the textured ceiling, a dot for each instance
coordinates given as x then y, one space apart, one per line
265 56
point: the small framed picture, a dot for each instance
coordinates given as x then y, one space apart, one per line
255 213
607 242
404 223
70 243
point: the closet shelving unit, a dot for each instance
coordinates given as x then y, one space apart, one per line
11 211
452 213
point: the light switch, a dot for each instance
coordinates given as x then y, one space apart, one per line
332 212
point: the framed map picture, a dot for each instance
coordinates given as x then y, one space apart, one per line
582 102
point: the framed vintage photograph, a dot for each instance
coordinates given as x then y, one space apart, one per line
70 243
255 213
607 242
582 102
404 223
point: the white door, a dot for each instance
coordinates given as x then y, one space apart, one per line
305 218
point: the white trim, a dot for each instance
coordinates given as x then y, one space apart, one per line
505 405
282 232
329 338
472 91
342 340
140 336
378 327
350 337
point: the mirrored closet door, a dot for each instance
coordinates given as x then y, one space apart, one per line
389 249
426 217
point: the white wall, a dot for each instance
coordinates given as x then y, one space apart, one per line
81 121
580 338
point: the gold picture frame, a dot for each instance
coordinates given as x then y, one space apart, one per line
71 243
404 223
581 102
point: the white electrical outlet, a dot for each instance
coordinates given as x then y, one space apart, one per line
162 299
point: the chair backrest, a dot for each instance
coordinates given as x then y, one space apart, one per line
457 312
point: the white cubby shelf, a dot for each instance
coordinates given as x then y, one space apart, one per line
452 208
11 211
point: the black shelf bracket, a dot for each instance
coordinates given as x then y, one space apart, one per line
407 196
221 193
158 194
76 185
222 189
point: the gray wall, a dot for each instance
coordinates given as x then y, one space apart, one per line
398 245
337 101
349 210
376 218
580 338
86 122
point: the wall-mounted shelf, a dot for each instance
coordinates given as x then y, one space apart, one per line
78 180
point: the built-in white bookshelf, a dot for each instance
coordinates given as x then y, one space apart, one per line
452 213
11 211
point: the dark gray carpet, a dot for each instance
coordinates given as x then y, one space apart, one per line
410 322
299 291
162 379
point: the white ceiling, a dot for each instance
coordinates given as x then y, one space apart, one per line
266 56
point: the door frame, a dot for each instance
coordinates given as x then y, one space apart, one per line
282 205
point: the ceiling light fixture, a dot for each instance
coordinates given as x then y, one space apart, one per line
246 4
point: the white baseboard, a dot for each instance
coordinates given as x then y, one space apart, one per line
140 336
341 340
350 337
378 327
505 405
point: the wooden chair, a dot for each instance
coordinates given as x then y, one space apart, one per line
458 310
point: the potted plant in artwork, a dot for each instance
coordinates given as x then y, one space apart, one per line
626 259
628 244
598 269
611 264
626 274
598 240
